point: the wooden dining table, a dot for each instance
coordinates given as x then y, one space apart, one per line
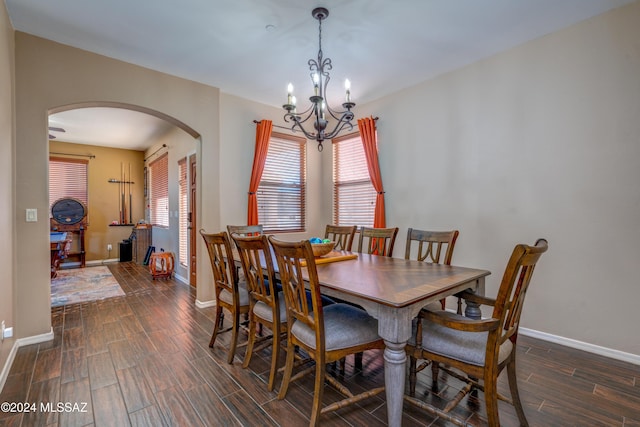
393 290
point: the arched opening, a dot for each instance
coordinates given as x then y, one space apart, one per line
117 185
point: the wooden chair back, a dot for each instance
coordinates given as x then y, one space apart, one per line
293 259
245 230
432 245
224 274
255 252
341 234
377 241
513 289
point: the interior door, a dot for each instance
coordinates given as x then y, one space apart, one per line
192 220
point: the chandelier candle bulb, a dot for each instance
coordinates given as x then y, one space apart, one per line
289 94
347 86
316 81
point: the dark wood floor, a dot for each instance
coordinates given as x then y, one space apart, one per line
143 359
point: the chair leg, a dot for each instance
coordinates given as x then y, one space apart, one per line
318 389
275 356
357 361
250 341
435 370
412 375
234 337
443 303
288 369
216 325
515 394
491 400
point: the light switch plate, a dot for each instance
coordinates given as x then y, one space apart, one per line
32 215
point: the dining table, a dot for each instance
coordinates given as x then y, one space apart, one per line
393 290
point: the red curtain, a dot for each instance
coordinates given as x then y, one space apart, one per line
369 137
263 134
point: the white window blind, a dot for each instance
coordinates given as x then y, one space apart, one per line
183 211
354 198
159 191
67 178
282 190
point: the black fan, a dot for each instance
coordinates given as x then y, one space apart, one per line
55 129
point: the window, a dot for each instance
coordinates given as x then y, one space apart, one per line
159 191
354 198
281 193
67 178
183 211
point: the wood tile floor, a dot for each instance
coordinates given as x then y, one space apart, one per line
143 360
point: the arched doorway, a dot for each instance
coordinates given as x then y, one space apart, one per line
148 134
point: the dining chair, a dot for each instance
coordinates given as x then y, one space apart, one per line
265 300
432 246
231 294
326 334
245 230
476 351
377 241
342 235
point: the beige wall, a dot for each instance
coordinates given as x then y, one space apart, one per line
104 196
50 75
7 284
539 141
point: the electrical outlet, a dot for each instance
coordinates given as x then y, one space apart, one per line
109 247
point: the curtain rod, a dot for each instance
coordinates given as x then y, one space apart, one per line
91 156
275 126
288 128
152 154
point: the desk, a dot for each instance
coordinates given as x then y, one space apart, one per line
393 290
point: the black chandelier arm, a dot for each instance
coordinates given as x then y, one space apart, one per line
343 121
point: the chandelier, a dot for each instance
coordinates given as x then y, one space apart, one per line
319 110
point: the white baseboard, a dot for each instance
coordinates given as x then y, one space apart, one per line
7 365
100 262
180 278
36 339
580 345
205 304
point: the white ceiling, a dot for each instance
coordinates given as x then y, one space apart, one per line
253 48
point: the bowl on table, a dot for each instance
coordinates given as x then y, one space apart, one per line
321 249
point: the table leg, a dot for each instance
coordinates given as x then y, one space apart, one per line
472 309
395 360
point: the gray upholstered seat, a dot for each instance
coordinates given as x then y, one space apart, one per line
226 296
265 312
344 326
469 347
